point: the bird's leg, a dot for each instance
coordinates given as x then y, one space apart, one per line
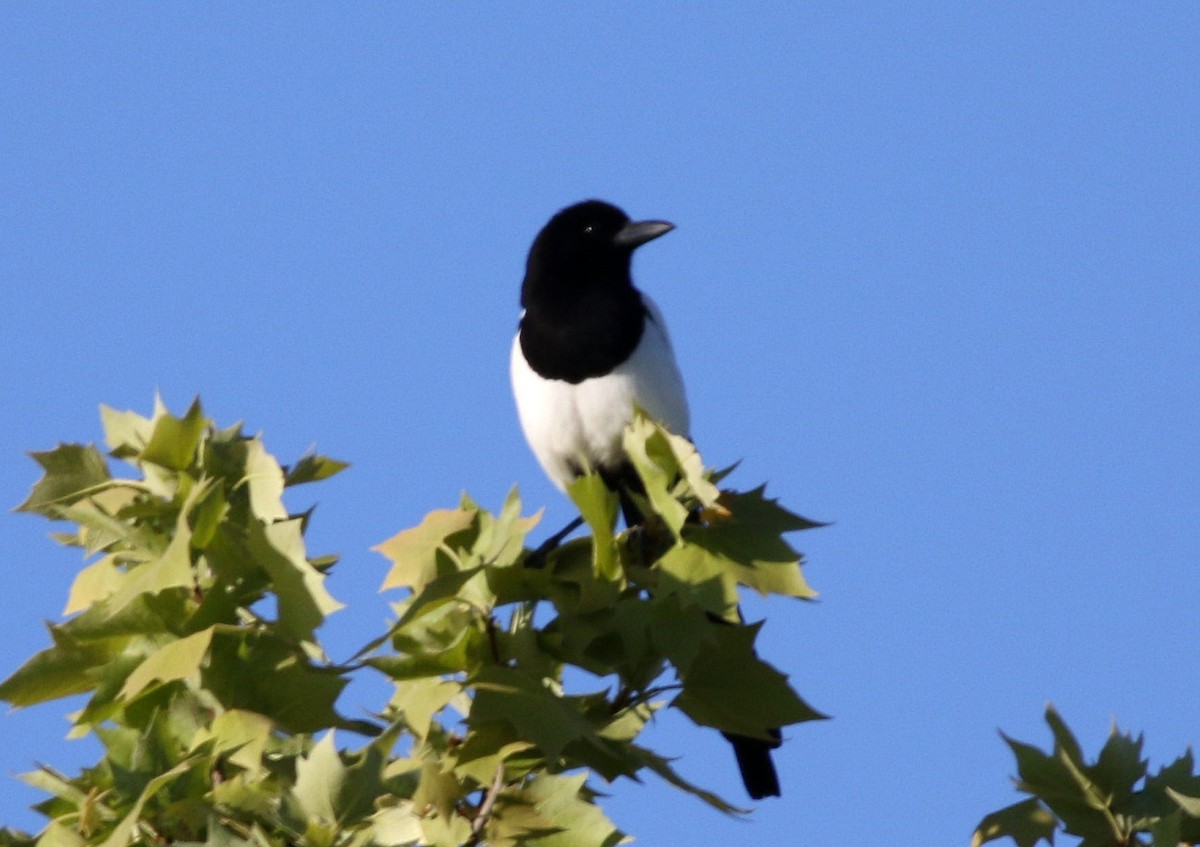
537 559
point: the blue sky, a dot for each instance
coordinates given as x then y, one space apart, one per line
935 278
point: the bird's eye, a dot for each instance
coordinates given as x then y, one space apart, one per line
589 229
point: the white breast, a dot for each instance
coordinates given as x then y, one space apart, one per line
574 426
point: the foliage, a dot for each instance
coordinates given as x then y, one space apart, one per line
1110 802
517 677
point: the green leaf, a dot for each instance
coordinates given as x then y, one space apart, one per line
649 448
319 778
304 602
124 833
240 736
59 671
172 569
487 747
395 826
1060 783
540 715
313 468
70 471
174 441
1189 805
1026 823
177 660
442 831
264 481
1119 767
560 800
746 541
125 433
265 673
58 835
727 686
597 505
418 700
419 554
448 641
501 539
699 578
438 789
94 583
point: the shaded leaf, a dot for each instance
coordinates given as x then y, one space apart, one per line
58 671
503 694
727 686
1026 823
69 471
304 601
313 468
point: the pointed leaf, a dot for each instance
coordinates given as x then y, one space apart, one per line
649 451
177 660
415 552
418 700
729 687
560 799
174 441
319 777
59 671
1026 823
313 468
264 481
538 714
304 602
597 505
70 470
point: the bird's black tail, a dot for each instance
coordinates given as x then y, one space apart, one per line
754 761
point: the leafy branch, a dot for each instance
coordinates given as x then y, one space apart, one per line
1113 801
192 629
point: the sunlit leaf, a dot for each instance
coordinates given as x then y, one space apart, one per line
93 584
264 481
597 505
176 660
415 552
173 441
559 799
649 450
319 777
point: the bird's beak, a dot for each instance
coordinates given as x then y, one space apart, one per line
637 233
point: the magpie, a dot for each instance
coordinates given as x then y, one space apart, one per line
589 347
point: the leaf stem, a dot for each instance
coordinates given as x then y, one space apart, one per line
485 808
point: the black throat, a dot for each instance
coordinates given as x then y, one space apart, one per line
584 334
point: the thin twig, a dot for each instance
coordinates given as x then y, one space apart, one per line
485 808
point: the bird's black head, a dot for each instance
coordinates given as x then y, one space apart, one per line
584 248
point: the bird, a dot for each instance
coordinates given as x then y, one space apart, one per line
589 347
